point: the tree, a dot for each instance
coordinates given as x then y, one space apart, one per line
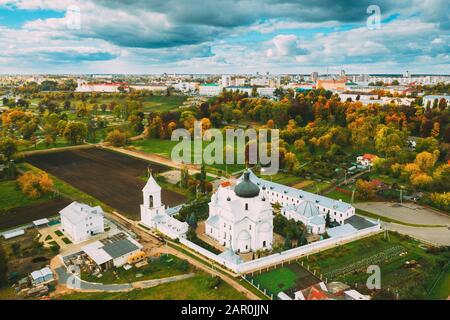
365 190
117 138
425 160
202 180
192 220
436 130
34 185
327 220
389 140
287 243
75 132
302 238
300 145
291 161
421 180
8 147
184 180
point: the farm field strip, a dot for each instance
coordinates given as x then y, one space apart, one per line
109 177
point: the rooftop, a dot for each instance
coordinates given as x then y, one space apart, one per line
304 195
76 212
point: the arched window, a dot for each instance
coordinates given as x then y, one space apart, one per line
264 243
150 201
246 206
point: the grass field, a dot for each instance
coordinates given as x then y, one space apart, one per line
288 278
277 280
335 194
195 288
60 143
428 278
282 178
12 197
163 103
163 267
164 149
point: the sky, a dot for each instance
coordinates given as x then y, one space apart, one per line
224 36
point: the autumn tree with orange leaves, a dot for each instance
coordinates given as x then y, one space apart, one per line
35 185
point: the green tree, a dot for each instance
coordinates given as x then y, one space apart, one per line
8 147
75 132
117 138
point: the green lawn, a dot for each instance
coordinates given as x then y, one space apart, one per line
164 149
284 178
163 103
335 194
66 240
157 146
426 280
163 267
12 197
195 288
277 280
60 142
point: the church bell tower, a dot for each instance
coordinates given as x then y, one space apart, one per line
151 206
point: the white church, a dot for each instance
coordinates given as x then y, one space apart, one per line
241 219
154 214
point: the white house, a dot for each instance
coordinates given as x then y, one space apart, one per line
80 221
210 89
366 159
241 218
154 215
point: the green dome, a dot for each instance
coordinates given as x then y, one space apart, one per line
246 188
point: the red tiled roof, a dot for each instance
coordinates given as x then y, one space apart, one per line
316 294
369 156
225 184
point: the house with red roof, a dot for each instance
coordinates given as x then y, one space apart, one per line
366 159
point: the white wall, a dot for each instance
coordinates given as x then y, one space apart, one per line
279 257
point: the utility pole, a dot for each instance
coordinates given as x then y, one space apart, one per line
353 195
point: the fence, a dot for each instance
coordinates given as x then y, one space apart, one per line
278 258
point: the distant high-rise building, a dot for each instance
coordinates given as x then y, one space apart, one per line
407 74
226 81
342 73
314 76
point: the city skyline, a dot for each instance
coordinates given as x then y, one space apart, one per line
151 37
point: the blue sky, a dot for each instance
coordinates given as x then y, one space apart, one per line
226 36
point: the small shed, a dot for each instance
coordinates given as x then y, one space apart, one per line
41 276
40 222
13 233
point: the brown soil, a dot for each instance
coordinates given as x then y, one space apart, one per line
108 176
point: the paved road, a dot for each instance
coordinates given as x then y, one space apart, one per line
408 212
73 282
